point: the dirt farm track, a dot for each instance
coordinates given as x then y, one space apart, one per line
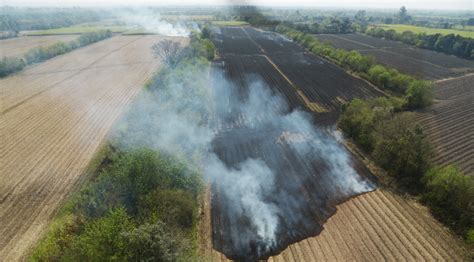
54 116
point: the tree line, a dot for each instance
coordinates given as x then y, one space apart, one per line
331 25
15 19
449 44
416 93
10 65
398 144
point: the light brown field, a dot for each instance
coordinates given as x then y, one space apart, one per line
54 117
18 46
376 226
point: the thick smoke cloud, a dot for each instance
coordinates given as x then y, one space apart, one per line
199 123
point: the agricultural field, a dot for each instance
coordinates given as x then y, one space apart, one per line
389 227
449 123
55 116
427 30
410 60
18 46
375 226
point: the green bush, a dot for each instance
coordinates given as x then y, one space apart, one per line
450 196
401 147
419 94
103 239
360 118
10 65
153 242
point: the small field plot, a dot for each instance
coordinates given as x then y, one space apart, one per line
55 116
407 59
420 29
18 46
449 123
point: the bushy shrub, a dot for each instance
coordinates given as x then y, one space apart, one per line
419 94
10 65
450 195
401 147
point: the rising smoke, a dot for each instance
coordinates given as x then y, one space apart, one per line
195 121
150 20
260 188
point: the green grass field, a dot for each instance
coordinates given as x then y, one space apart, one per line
229 23
80 29
419 29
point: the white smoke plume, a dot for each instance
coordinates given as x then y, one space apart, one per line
150 20
187 119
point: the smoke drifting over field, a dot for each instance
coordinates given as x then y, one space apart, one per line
261 194
150 20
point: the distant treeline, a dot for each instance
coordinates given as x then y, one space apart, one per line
450 44
140 204
398 144
15 19
417 93
331 25
10 65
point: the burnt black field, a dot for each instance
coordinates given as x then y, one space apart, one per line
306 191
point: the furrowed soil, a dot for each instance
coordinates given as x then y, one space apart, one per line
54 117
18 46
375 226
407 59
449 123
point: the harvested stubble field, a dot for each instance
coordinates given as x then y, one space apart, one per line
407 59
375 226
54 117
18 46
450 123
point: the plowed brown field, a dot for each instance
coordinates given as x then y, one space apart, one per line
18 46
54 117
376 226
449 123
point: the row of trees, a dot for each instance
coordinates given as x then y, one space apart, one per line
10 65
397 143
331 25
417 93
450 44
15 19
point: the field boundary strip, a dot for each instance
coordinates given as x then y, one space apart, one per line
79 71
452 78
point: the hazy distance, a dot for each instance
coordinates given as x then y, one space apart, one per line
464 5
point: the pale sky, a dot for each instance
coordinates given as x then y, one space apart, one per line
467 5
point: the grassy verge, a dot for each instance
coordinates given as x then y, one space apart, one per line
419 29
